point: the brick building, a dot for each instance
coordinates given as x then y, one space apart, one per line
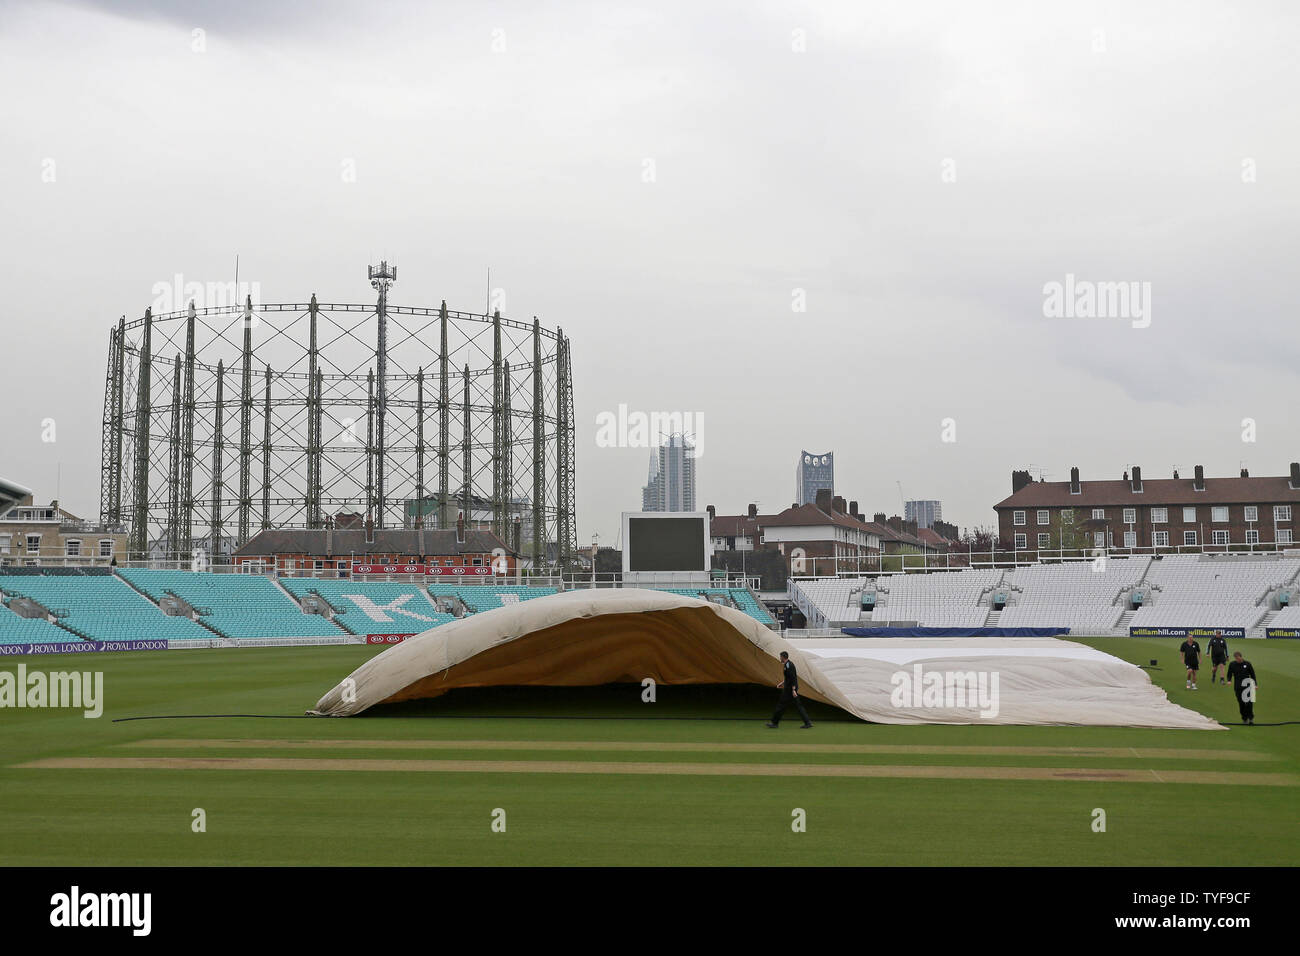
33 535
1177 513
818 538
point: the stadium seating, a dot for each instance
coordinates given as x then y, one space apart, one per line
1080 619
22 630
828 602
373 608
742 598
941 599
485 597
238 606
1074 583
1287 617
1202 590
103 608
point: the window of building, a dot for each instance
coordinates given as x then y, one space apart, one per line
478 562
1017 517
1160 539
33 544
1130 515
5 539
1281 512
72 547
1219 513
1189 538
1067 516
1252 536
1189 515
1044 516
105 547
1219 536
1022 541
1159 515
1044 540
1283 535
1099 539
1099 514
1252 512
1130 539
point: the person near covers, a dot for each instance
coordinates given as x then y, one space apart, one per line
1244 685
1191 652
789 693
1218 657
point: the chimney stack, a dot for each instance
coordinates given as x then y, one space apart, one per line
838 504
1074 481
1020 479
1137 478
460 527
753 511
370 530
713 512
1295 474
853 510
1245 473
824 500
1198 483
879 517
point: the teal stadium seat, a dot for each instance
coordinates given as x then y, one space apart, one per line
744 600
373 608
240 606
484 597
22 630
103 608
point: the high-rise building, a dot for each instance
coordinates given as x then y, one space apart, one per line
924 511
813 473
671 482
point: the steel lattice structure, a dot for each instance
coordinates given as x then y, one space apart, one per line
219 422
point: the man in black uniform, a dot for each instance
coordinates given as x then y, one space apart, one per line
1191 652
789 693
1218 657
1244 685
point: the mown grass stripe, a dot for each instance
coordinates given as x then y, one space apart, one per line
375 765
1146 753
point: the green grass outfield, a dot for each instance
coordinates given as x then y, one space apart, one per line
398 808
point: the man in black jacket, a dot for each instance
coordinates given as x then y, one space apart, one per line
1244 685
789 693
1218 657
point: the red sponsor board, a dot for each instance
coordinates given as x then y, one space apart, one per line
387 638
388 569
432 569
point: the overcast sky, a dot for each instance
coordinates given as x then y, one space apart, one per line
670 182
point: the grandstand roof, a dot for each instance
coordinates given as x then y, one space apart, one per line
385 541
11 492
1174 491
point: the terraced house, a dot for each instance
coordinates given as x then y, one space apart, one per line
33 535
1161 514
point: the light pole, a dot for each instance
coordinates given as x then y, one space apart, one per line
381 279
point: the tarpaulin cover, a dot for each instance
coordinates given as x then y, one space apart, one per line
616 635
956 631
